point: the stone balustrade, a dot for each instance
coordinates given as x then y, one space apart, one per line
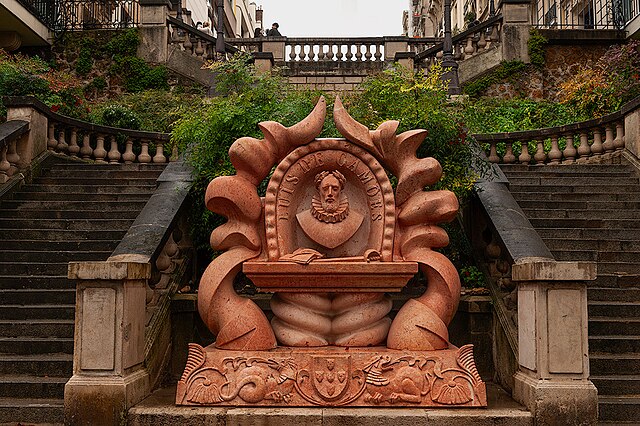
11 134
192 40
592 140
467 44
102 144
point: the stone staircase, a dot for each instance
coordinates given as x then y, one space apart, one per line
74 211
592 213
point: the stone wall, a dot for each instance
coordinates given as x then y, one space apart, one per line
332 77
561 63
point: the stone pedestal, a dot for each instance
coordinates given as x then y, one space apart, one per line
553 377
108 360
263 62
35 141
517 19
331 377
406 59
274 45
393 45
153 30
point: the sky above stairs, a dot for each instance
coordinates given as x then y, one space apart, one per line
335 18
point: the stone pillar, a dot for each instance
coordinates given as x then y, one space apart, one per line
406 59
632 133
517 18
153 30
553 376
33 143
393 45
263 62
275 45
108 360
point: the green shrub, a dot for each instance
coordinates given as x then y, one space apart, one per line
507 70
138 75
85 56
116 115
124 44
536 47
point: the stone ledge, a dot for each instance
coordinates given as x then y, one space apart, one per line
536 269
159 409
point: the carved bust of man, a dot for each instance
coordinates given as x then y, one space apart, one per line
329 222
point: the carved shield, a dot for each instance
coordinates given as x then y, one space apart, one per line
331 376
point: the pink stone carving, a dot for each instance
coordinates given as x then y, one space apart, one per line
330 239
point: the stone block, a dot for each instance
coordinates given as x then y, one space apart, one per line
35 142
632 133
298 80
392 47
344 87
353 80
519 13
336 80
533 269
274 416
374 417
97 336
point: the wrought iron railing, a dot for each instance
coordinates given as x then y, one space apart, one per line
585 14
76 15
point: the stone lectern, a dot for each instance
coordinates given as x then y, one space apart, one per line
330 239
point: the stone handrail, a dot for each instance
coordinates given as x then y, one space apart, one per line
86 140
10 134
468 43
598 138
123 328
193 40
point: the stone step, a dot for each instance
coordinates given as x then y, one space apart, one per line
63 235
591 233
593 189
590 214
586 223
35 345
597 256
30 296
24 386
583 204
620 268
24 312
89 189
617 385
614 294
61 246
57 365
59 256
607 364
611 175
73 173
616 281
32 411
68 224
613 309
37 328
68 214
566 168
606 326
571 181
62 205
560 244
615 344
32 268
83 166
40 282
541 197
82 180
74 196
619 409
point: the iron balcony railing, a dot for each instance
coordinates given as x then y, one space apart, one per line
76 15
585 14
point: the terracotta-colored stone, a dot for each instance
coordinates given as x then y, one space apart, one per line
330 238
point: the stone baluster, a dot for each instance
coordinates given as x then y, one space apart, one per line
13 157
329 56
100 153
524 157
292 53
555 154
608 142
569 150
469 50
199 51
539 156
378 54
349 54
583 150
52 143
359 52
596 148
482 42
188 46
339 54
493 153
74 149
322 56
128 157
5 166
488 38
458 51
618 142
367 52
302 55
159 157
439 55
114 154
144 156
495 33
86 151
62 145
508 157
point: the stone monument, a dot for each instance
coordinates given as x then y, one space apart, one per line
330 239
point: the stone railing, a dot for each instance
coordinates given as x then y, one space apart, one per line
592 140
540 338
10 135
468 43
89 141
123 327
194 41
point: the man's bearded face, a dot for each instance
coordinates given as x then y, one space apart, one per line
330 193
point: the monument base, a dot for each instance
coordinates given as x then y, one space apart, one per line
331 376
